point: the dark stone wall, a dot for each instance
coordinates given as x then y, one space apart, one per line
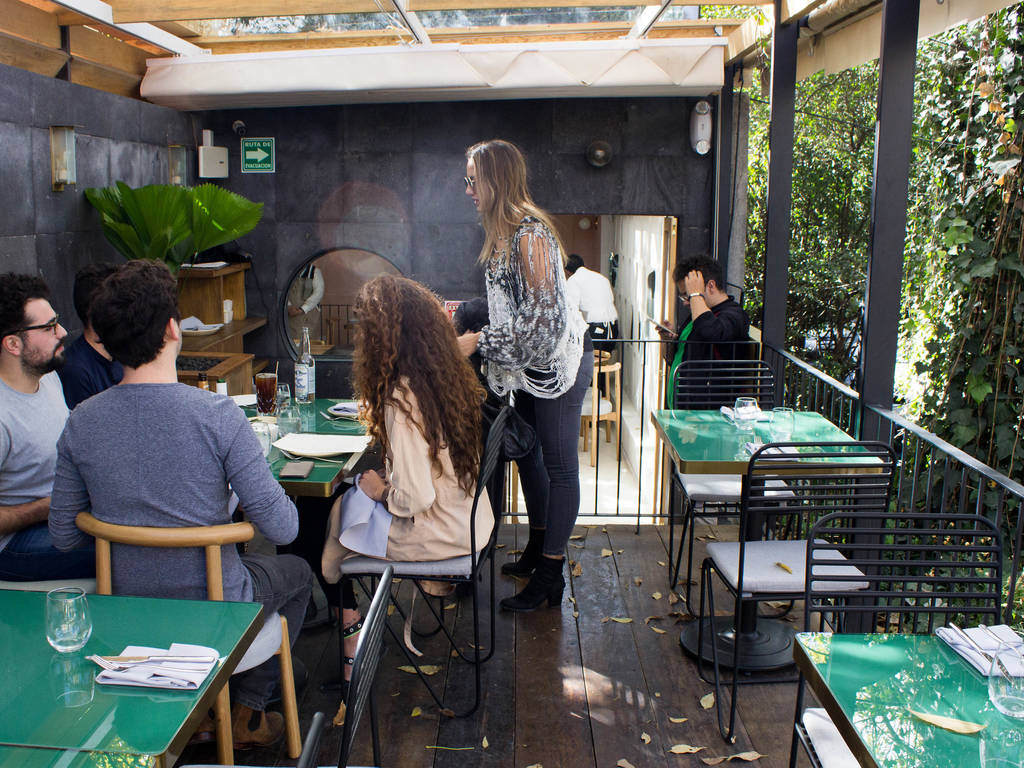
386 178
56 233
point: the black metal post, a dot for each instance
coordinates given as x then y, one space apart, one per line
780 185
64 73
888 207
725 158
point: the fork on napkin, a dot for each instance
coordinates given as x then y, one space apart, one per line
157 673
982 642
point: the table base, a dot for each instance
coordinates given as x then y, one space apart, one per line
769 646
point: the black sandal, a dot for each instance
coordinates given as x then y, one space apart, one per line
350 631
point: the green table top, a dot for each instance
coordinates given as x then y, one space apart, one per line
326 476
867 683
51 700
705 442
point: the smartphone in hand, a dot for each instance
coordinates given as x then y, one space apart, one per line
663 329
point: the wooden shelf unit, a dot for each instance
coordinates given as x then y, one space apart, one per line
201 292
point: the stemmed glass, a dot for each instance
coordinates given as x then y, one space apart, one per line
68 623
1006 680
746 411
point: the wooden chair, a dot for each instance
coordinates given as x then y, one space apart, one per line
601 407
272 638
360 691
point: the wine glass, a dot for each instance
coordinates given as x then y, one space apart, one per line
782 423
1006 680
68 624
746 411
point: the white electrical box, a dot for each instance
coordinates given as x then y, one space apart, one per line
213 162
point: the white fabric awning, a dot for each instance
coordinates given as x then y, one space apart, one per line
595 68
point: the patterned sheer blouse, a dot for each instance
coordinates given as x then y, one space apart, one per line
534 340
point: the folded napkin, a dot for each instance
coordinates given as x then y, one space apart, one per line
347 408
730 414
193 323
177 675
985 640
365 523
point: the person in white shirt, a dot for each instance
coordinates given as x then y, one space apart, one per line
592 293
304 296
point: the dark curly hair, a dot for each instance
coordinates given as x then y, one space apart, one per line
15 292
87 282
405 334
710 269
131 309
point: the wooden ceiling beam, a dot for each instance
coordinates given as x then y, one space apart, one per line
185 10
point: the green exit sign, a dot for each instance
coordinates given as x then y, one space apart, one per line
258 155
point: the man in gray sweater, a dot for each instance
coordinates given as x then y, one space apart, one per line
151 451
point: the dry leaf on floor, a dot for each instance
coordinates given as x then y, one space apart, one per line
455 653
657 694
515 552
673 598
645 737
572 599
748 756
606 553
678 719
662 563
624 763
499 546
416 712
391 609
449 713
659 630
707 701
339 718
619 551
426 669
637 580
575 614
577 570
449 606
649 619
576 537
535 765
656 595
574 545
683 749
949 723
621 620
485 744
604 530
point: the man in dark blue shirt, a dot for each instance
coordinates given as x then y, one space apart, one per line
88 367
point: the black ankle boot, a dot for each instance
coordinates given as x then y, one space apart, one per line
531 555
546 584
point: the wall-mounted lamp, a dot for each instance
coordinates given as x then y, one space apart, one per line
599 153
62 156
700 127
177 164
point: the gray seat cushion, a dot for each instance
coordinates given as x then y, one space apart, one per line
762 572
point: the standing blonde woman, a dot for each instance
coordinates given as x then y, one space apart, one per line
533 346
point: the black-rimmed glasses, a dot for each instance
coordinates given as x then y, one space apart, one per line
50 325
470 181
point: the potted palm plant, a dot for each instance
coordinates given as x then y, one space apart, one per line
170 223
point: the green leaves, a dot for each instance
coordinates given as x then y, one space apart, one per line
168 223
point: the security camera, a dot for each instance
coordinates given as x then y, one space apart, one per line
238 127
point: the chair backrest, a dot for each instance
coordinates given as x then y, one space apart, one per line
921 570
211 538
789 486
612 372
367 659
710 384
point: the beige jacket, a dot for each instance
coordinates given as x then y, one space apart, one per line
430 512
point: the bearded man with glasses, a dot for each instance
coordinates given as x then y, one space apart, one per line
32 417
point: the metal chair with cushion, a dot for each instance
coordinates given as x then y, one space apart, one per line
360 690
767 563
709 385
466 569
920 571
272 638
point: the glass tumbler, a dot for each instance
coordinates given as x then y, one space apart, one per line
284 396
782 423
746 411
263 435
68 624
266 393
289 420
1006 680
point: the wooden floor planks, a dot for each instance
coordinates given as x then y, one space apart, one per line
561 690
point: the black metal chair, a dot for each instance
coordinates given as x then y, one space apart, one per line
709 385
788 486
921 571
467 569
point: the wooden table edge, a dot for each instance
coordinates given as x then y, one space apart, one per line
221 676
824 695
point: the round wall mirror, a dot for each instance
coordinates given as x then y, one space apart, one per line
321 296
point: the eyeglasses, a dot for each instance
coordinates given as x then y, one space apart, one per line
470 181
48 326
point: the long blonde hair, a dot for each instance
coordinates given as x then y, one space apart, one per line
501 172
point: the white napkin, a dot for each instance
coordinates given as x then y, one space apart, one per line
365 523
730 414
177 675
243 401
347 408
987 643
206 265
193 323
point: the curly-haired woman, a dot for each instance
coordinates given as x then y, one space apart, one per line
421 404
534 345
